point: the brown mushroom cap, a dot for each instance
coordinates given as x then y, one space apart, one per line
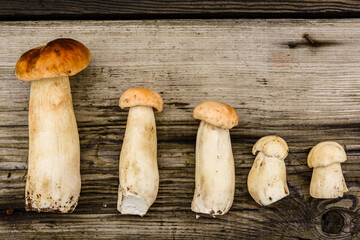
217 114
271 146
141 97
326 153
60 57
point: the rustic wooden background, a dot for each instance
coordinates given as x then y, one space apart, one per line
299 79
155 9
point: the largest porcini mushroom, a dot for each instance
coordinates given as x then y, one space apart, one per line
267 177
327 180
138 169
215 171
53 181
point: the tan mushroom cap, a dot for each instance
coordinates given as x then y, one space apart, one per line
271 146
217 114
60 57
141 97
326 153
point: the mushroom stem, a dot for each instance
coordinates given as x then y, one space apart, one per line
139 175
328 182
215 171
53 181
267 180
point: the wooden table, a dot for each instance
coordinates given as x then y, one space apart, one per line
170 9
278 80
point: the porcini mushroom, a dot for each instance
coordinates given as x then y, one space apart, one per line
327 180
215 171
267 177
138 169
53 181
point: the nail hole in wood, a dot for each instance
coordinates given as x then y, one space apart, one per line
310 40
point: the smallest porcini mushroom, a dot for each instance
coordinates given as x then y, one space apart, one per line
215 171
138 169
327 180
267 177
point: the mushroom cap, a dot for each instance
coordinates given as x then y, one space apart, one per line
60 57
141 97
271 146
326 153
217 114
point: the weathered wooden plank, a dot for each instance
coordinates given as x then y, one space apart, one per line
125 9
279 83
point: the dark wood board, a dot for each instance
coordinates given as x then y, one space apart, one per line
279 83
113 9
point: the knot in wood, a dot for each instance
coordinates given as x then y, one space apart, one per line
332 222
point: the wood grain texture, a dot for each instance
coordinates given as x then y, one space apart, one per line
126 9
279 83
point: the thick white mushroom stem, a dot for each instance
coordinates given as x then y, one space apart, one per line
328 182
139 175
267 179
53 181
215 171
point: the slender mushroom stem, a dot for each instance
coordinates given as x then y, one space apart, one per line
53 181
215 171
139 176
